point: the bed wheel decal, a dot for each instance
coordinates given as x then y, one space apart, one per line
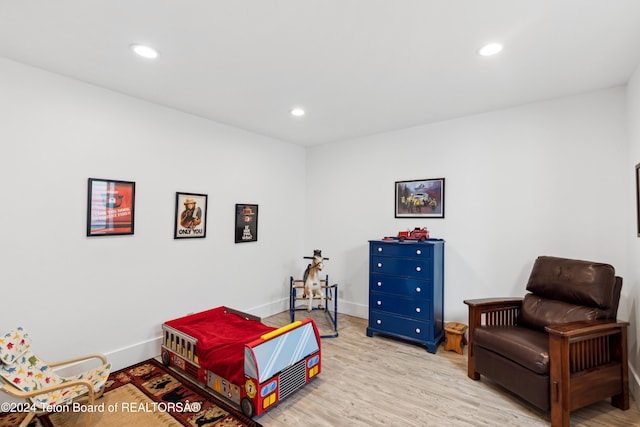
247 407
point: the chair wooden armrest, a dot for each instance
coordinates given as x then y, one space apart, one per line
493 311
489 311
584 328
20 394
581 353
101 357
489 302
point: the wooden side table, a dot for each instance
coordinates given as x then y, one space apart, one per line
455 338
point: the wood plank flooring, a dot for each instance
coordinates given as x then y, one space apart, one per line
381 381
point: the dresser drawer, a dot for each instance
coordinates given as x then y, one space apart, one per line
409 267
413 288
410 328
419 309
407 249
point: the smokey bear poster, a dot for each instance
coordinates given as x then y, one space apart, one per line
246 223
110 207
191 216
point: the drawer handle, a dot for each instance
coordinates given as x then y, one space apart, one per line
418 290
417 330
379 284
418 268
418 252
379 265
379 302
418 310
379 249
379 322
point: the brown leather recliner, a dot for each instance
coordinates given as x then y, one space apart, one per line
560 347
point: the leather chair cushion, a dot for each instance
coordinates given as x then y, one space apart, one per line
574 281
537 312
526 347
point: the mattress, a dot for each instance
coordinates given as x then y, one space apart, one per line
221 337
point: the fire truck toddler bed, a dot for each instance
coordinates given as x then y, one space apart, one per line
238 357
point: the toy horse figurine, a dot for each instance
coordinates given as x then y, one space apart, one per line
311 279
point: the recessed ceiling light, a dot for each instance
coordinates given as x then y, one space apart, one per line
490 49
297 112
144 51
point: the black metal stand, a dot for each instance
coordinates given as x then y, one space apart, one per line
330 294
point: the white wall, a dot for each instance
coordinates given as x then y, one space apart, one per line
551 178
632 302
78 294
541 179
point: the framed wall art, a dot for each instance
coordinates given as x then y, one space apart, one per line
110 207
191 216
246 223
420 198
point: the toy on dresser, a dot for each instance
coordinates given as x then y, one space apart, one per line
418 233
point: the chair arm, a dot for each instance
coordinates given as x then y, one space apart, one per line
18 393
586 344
585 328
102 358
488 311
493 311
492 302
585 350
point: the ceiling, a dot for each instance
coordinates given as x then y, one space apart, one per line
358 67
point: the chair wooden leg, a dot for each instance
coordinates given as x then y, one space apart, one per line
560 417
621 401
88 422
471 363
27 419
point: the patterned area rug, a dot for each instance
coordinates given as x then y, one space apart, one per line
146 394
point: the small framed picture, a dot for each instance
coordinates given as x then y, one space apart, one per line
110 207
420 198
191 216
246 223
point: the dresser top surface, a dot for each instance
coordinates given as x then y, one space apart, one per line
408 242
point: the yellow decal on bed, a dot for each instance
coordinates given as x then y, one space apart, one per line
281 331
250 388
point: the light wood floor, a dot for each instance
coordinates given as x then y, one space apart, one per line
380 381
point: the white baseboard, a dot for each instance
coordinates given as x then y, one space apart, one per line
136 353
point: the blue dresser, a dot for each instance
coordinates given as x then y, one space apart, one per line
406 290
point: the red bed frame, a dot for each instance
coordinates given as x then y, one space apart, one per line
235 355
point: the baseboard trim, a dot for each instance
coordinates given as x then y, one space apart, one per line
130 355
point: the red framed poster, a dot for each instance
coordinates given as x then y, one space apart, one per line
110 207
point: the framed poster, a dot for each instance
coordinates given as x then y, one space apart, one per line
110 207
246 223
191 216
420 198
